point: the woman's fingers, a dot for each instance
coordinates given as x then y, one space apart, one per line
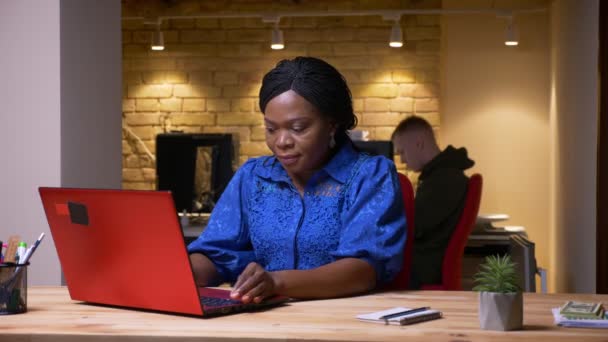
248 279
259 292
254 284
244 275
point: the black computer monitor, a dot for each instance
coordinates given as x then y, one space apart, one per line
196 168
376 147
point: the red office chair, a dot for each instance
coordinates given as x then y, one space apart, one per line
451 268
402 279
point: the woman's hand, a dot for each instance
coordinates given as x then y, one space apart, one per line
254 284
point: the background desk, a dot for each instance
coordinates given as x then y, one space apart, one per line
484 243
52 316
479 245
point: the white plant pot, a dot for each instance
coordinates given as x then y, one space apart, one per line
501 311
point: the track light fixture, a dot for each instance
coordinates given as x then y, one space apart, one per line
158 41
277 42
511 36
276 39
396 40
396 37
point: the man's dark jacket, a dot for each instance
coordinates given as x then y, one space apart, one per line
440 195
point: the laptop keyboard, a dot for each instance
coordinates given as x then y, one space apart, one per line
214 301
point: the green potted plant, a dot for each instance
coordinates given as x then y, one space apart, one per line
500 297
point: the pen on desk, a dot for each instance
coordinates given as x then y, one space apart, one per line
28 254
32 249
403 313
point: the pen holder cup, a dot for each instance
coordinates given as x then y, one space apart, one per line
13 288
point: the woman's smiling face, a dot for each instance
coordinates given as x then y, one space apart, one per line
298 135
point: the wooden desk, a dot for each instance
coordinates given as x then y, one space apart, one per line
52 316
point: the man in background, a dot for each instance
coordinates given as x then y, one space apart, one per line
440 194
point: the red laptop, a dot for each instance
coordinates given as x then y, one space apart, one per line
126 248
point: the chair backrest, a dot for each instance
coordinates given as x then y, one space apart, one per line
402 279
452 259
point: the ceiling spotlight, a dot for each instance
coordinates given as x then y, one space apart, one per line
511 38
396 40
277 42
158 41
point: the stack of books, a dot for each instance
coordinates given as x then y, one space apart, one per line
580 310
581 315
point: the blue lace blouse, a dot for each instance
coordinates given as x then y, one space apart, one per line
351 208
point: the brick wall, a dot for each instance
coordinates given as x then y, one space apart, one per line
208 77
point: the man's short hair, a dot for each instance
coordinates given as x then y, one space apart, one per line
413 123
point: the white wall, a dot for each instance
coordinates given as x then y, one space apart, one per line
495 102
30 121
59 110
574 115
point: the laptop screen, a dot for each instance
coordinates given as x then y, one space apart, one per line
122 247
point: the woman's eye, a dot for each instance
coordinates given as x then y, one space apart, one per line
270 129
298 129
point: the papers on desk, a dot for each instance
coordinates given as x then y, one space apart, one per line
400 316
514 229
578 323
489 218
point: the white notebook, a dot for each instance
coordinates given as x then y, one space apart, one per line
400 316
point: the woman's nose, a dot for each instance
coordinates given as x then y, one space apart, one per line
284 139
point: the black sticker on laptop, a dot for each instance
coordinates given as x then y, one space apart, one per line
78 213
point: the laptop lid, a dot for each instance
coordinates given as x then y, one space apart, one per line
122 247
